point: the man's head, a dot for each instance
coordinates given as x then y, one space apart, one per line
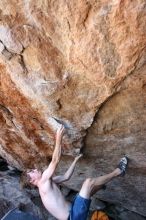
34 176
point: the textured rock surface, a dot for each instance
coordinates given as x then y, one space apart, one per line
12 196
28 200
81 63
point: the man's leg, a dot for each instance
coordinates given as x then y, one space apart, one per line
92 185
82 202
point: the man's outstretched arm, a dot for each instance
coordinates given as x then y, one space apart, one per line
48 173
69 172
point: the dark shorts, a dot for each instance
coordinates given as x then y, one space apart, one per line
80 208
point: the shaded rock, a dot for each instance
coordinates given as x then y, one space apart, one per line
97 204
19 215
5 206
127 215
66 191
118 212
12 196
3 165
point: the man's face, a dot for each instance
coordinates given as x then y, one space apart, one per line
34 175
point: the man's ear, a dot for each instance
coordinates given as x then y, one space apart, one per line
31 180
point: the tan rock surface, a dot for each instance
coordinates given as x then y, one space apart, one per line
81 63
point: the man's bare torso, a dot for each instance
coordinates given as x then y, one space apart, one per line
54 200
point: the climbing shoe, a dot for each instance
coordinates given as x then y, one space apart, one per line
123 165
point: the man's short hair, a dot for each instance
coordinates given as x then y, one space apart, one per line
25 179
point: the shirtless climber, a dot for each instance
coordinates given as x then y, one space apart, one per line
52 197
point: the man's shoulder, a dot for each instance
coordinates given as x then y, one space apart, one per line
42 182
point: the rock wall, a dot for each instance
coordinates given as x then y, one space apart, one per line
80 63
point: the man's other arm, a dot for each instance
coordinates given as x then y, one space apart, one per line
68 173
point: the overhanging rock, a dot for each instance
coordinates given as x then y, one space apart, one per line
81 64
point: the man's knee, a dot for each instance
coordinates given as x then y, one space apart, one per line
89 182
87 188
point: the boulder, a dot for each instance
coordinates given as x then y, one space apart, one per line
82 64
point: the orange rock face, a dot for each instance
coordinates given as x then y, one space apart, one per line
80 63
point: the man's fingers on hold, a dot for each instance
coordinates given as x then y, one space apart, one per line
59 129
62 127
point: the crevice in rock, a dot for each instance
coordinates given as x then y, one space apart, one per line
87 15
6 53
59 104
3 164
8 114
6 110
69 26
23 64
5 167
